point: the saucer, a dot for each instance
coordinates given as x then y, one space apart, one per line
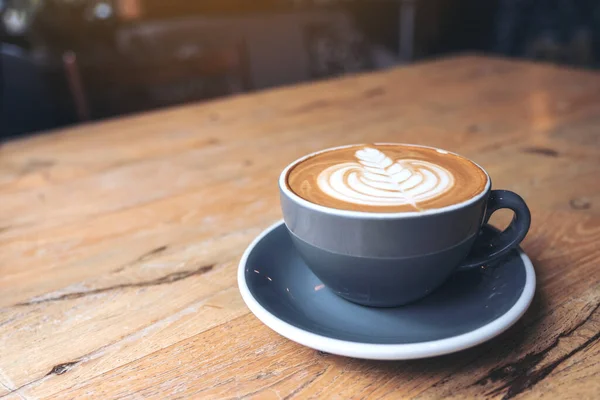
470 308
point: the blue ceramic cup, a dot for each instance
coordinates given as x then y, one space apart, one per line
390 259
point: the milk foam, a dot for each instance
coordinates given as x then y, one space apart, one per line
377 180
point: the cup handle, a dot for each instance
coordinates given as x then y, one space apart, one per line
488 248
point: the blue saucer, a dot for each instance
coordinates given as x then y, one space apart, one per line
470 308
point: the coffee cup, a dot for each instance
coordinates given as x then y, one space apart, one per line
385 224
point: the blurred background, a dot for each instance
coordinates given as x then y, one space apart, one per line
65 62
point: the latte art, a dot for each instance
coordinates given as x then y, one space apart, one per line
385 178
376 180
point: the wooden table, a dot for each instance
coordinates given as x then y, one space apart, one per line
119 241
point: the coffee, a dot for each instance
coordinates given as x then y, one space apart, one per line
386 178
395 251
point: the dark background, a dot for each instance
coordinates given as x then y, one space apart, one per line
69 61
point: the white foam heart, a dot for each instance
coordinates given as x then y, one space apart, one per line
377 180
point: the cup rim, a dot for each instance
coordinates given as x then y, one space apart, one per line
287 191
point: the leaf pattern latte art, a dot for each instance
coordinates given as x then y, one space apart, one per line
376 180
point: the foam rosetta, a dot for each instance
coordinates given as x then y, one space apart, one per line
374 179
386 178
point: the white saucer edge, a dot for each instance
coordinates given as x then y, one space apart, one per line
386 351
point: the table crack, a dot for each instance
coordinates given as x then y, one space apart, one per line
167 279
520 375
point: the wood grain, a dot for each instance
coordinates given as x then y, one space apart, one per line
119 240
